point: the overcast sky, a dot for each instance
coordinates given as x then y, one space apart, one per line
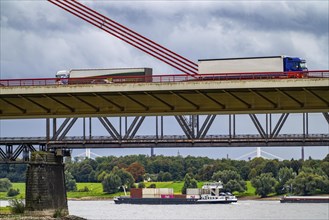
38 38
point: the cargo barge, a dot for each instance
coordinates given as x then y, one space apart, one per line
209 194
305 199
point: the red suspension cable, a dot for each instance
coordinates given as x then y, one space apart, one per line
147 41
128 36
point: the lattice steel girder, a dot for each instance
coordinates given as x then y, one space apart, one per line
196 134
133 128
182 121
194 127
110 128
177 98
12 152
65 127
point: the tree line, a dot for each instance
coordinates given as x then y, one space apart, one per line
266 175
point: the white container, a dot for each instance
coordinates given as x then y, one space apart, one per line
149 196
79 73
241 65
193 191
149 191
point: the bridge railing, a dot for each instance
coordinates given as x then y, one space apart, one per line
162 78
141 138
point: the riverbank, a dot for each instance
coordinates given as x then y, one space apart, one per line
26 217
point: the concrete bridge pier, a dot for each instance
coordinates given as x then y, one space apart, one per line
45 185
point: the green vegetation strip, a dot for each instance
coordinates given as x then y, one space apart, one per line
251 191
5 211
96 190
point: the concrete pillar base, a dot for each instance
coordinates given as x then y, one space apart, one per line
45 185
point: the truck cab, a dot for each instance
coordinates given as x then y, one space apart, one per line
62 77
63 74
294 64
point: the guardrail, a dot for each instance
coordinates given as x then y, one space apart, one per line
147 141
162 78
141 138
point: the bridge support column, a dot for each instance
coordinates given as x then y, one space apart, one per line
45 185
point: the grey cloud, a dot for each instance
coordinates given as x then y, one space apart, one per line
37 16
224 28
43 38
260 15
279 16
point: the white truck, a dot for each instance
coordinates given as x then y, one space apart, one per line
78 76
269 64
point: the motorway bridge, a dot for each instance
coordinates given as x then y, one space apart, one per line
165 95
196 105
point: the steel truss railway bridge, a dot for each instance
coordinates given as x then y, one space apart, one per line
205 113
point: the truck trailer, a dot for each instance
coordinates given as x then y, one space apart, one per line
78 76
263 65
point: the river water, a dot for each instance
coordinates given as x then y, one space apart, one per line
241 210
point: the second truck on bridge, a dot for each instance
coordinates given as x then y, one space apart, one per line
289 66
95 76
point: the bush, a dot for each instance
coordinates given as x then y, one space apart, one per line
17 206
111 183
264 184
5 184
307 183
153 185
141 185
70 182
12 192
189 183
84 189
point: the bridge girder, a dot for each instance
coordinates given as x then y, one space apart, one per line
172 98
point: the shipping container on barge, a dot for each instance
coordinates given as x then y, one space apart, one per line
210 193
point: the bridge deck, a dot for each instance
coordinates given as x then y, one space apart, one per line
166 98
147 141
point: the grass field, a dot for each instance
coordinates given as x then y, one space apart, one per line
96 190
20 186
249 192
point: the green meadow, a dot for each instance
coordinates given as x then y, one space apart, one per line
20 186
95 190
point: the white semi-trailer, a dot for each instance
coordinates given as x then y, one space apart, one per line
268 64
105 75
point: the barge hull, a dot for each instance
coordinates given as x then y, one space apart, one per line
304 199
155 201
168 201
